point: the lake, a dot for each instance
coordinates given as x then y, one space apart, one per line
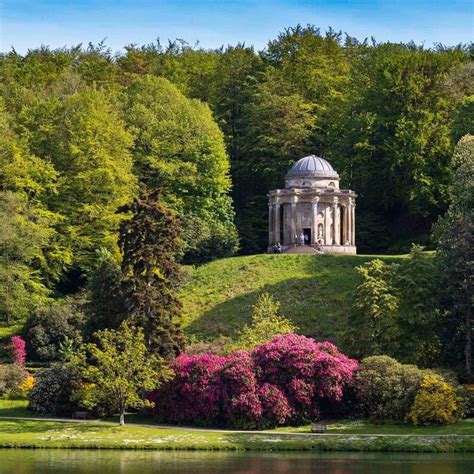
25 461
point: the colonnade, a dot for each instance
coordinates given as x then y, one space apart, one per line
339 215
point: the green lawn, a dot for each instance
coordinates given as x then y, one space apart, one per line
315 292
49 434
141 433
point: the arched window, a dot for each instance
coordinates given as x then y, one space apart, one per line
331 185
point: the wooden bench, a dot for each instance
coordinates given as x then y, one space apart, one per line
318 428
80 415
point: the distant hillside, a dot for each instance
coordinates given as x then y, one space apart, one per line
314 291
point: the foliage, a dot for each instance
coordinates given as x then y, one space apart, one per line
416 283
104 304
53 390
17 351
266 323
12 376
150 240
435 403
52 325
283 381
25 387
373 328
179 148
194 394
119 368
454 233
24 235
386 389
83 136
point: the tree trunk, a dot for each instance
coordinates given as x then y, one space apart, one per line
122 418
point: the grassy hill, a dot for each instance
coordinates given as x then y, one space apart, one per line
314 291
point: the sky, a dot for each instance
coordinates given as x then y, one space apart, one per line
28 24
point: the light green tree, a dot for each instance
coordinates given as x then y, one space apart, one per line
25 232
179 148
119 369
372 327
266 323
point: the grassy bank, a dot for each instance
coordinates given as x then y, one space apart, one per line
315 292
99 435
141 433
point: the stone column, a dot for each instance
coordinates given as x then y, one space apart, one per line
270 226
349 221
314 226
353 222
335 222
293 222
276 223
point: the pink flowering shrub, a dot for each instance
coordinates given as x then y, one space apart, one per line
276 408
290 379
194 395
17 351
240 402
309 373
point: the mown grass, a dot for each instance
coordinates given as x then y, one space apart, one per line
315 292
49 434
142 433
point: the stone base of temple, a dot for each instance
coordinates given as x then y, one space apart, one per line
314 250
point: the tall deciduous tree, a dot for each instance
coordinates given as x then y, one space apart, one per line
150 240
179 148
83 136
455 235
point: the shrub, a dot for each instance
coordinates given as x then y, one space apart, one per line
241 403
16 350
51 325
386 389
435 403
26 385
53 389
307 372
285 380
11 376
195 393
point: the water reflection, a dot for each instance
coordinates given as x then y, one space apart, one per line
143 462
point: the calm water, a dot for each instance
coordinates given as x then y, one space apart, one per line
142 462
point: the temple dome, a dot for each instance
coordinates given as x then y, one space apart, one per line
312 167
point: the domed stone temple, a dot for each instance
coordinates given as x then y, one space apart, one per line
312 214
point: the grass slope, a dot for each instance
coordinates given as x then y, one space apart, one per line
314 291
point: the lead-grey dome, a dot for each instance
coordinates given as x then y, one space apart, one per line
312 166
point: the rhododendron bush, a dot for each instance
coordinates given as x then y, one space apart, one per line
287 380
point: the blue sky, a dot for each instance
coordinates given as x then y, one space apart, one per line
29 23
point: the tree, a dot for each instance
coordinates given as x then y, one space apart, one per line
82 134
53 324
149 241
24 235
179 148
121 368
373 329
279 126
454 233
266 324
392 140
416 283
105 304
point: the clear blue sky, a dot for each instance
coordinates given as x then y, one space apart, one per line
29 23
